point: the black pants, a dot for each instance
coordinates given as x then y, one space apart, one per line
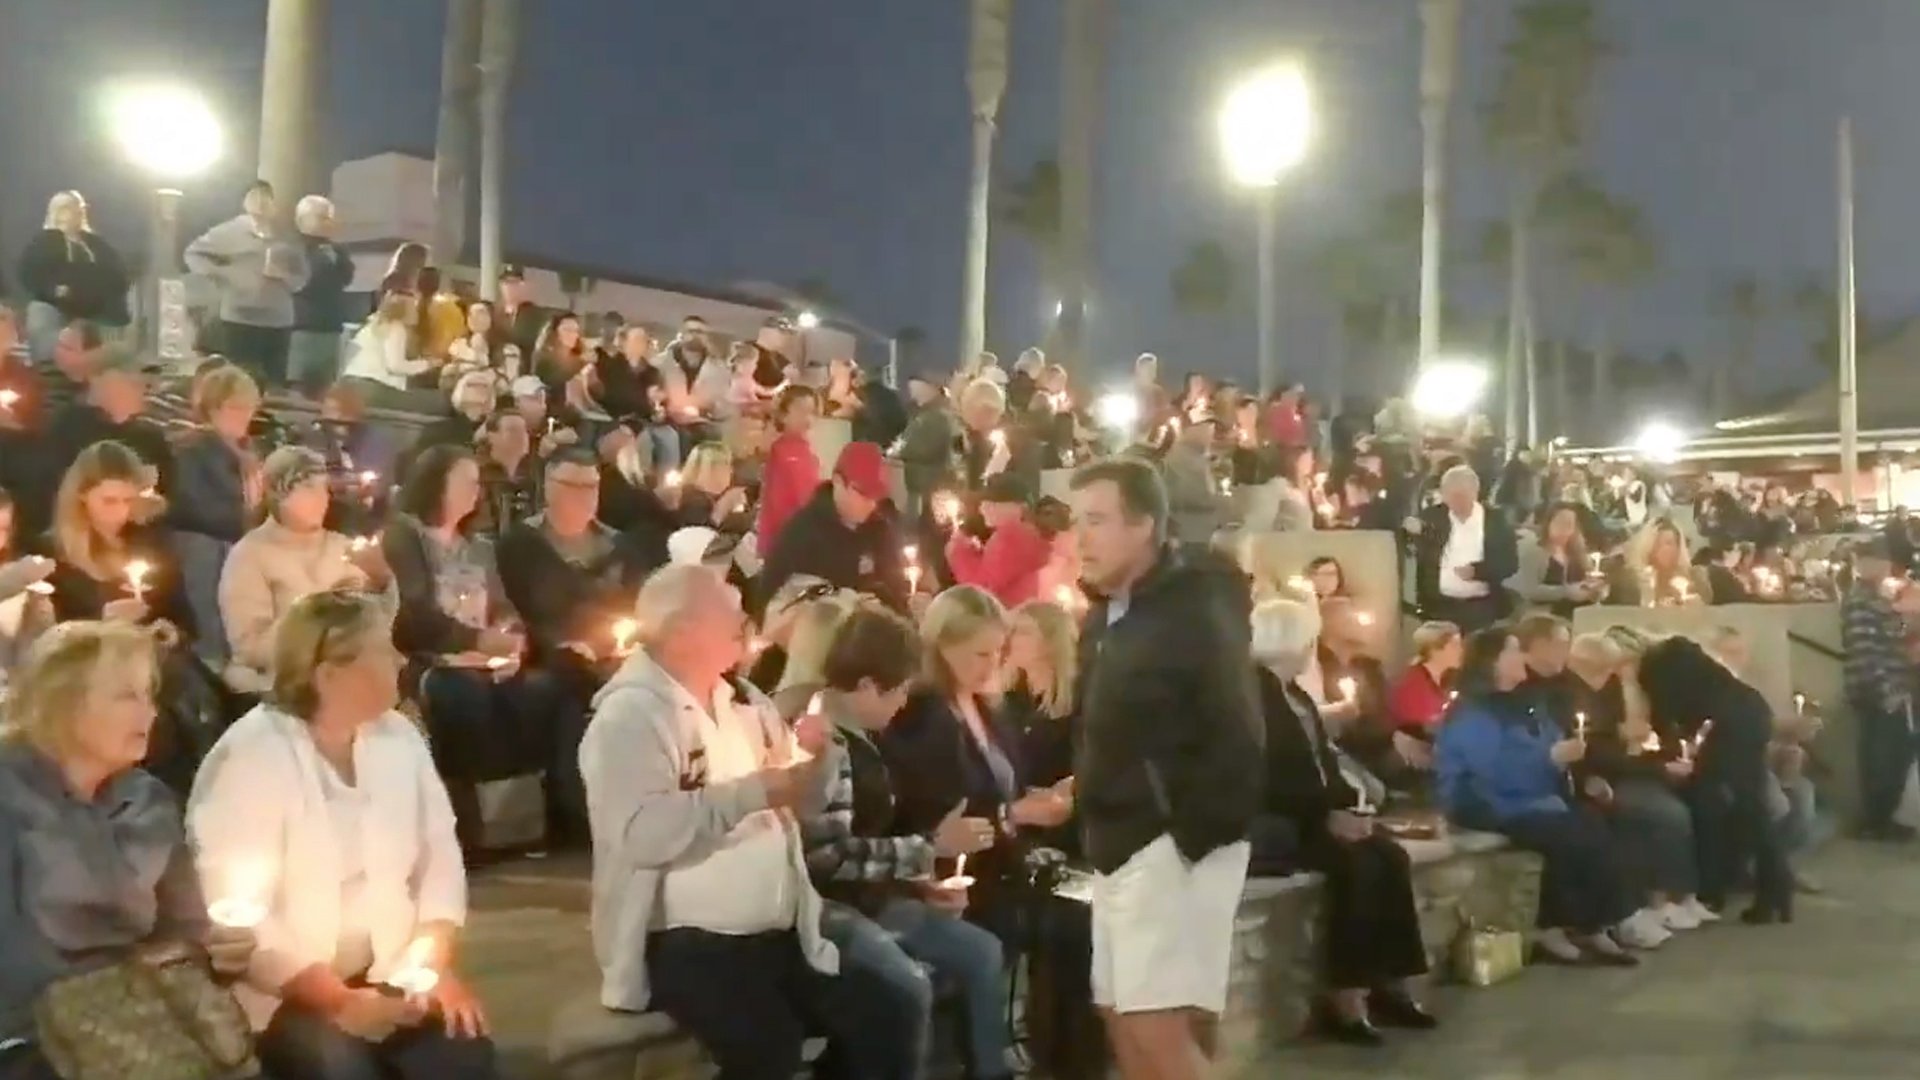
261 350
564 689
1734 823
1582 887
301 1045
1886 755
1470 616
751 1001
481 730
25 1063
1373 928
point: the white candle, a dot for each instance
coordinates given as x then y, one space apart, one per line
911 553
1593 564
623 631
672 479
1348 688
40 588
1799 703
137 572
999 439
369 478
495 663
913 578
1684 588
1066 597
8 398
1651 744
959 878
414 976
237 913
1580 726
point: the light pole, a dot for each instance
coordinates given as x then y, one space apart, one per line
1264 130
171 134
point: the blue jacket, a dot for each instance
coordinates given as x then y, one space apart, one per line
1492 760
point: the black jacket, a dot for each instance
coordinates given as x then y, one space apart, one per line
91 271
561 602
1501 556
1686 688
815 541
935 765
1171 740
623 387
1304 784
209 493
321 304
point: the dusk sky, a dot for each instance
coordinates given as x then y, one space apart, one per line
723 140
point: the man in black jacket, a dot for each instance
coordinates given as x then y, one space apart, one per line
572 579
1463 556
1168 771
844 535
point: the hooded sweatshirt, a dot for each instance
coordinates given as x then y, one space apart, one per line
236 254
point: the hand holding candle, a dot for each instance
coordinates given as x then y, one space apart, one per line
137 572
623 632
1580 726
415 976
959 879
1349 690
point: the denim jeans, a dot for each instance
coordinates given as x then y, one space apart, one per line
970 957
202 558
313 360
1802 827
44 323
298 1045
664 442
1655 827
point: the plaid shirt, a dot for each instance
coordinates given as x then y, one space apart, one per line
1873 636
837 851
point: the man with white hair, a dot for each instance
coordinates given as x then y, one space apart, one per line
319 307
702 904
1462 555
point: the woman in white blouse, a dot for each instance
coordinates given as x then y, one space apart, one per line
321 811
378 360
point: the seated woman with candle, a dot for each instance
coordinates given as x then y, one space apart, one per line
953 746
106 566
284 558
94 864
1373 934
1419 699
458 632
1556 572
216 489
708 494
1042 666
24 610
1658 572
1502 767
1350 689
322 807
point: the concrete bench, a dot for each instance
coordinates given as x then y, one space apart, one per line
1465 878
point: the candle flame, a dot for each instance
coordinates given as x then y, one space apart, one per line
672 478
911 552
623 631
8 398
1348 688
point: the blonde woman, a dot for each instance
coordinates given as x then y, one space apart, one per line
70 272
1418 702
322 807
953 746
1658 572
94 864
378 359
105 565
708 495
1041 668
215 495
982 408
814 626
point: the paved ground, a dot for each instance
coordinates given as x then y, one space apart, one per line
1832 997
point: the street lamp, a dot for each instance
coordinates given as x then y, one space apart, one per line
1449 389
807 320
1264 130
171 134
1660 442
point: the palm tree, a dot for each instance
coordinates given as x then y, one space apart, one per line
1348 270
1536 120
1031 206
986 86
1608 247
291 92
1440 57
1083 51
1744 304
499 41
1204 282
453 137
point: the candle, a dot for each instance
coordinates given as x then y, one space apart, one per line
1320 481
691 412
41 588
414 976
495 663
1593 564
911 553
8 398
1226 485
1684 588
999 439
1348 688
1686 750
237 913
959 879
913 578
369 478
1651 744
672 479
1799 703
1300 584
1364 618
623 631
1066 597
137 572
1580 726
946 508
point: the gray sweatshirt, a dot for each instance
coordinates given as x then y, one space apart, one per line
254 272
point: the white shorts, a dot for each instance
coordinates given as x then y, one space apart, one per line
1163 929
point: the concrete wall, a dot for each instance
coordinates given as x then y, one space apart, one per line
1372 564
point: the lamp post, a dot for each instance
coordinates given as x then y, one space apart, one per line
1448 390
1264 129
171 134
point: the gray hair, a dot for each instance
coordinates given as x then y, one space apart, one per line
667 596
1460 478
311 208
1284 632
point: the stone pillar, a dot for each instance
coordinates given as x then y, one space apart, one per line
290 96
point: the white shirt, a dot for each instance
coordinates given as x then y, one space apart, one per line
347 811
1466 545
745 886
379 352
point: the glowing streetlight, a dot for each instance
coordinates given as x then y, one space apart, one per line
807 320
1265 127
172 134
1660 441
1449 389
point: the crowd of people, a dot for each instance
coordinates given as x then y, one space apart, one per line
835 732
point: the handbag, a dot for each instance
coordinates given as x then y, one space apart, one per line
156 1016
1483 956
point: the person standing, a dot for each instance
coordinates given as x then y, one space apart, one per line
256 268
1165 809
319 306
1879 685
1463 556
70 272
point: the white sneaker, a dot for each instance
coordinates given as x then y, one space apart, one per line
1677 917
1642 930
1703 914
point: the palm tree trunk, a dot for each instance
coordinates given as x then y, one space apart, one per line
1518 286
499 41
453 138
986 85
1603 382
1563 387
1440 59
1083 67
290 96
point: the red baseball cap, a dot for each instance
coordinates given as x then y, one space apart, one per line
864 469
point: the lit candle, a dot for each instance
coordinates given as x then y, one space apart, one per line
1320 481
414 977
959 879
495 663
913 578
911 553
946 508
1066 597
1684 588
237 913
1593 564
1364 618
369 478
672 479
999 439
1226 485
1301 584
1348 688
1651 744
137 572
691 412
1799 703
623 631
1580 726
8 398
41 588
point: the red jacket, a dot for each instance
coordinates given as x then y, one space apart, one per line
789 479
1416 701
1008 565
1285 425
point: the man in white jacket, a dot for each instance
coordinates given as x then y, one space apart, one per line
702 907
